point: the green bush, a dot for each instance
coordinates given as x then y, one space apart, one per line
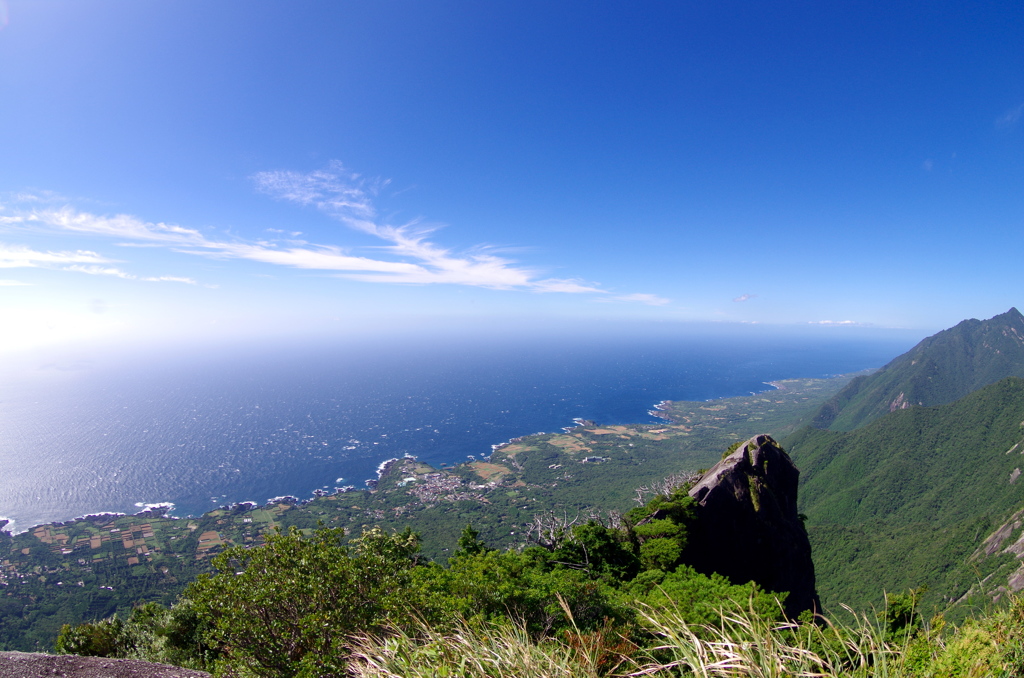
98 639
288 607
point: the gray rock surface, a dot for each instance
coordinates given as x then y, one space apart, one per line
748 527
33 665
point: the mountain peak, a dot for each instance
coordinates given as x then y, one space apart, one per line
940 369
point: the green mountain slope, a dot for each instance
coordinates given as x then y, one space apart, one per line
942 368
905 500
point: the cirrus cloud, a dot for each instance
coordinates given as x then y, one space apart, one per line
408 254
641 298
20 256
78 261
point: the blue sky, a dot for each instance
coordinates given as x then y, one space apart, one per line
190 169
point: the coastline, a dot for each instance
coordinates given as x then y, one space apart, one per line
167 507
662 406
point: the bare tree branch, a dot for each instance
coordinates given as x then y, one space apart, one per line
665 486
551 530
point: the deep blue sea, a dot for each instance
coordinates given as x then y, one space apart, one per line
226 426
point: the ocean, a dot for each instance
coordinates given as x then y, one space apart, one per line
225 426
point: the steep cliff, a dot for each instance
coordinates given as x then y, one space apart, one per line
748 527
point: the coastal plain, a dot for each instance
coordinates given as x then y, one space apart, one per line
91 567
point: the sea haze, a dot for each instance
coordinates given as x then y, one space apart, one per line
234 426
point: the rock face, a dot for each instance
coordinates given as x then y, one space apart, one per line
748 528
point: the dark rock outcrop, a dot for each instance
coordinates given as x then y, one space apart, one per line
748 528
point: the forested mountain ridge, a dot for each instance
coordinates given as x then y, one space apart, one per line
905 500
940 369
906 471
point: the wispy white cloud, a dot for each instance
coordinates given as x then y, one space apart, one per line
78 261
641 298
36 196
407 255
19 256
1010 118
570 286
171 278
99 270
322 258
334 190
744 297
118 273
416 260
833 322
348 198
117 226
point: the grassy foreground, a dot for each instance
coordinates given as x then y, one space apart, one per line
893 644
744 644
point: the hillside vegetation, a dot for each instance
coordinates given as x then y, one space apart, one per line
580 606
905 501
942 368
588 600
911 474
293 605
